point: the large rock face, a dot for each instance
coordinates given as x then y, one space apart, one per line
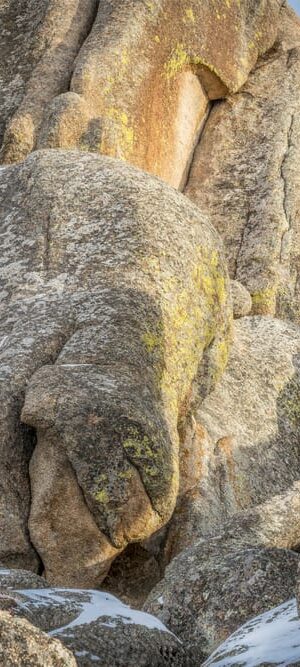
246 438
246 170
38 44
211 589
23 644
139 90
115 308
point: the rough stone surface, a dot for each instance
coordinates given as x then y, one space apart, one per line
271 638
246 171
115 320
97 627
211 589
139 90
241 299
23 644
38 44
10 579
245 440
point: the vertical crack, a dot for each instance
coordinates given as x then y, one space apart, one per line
285 203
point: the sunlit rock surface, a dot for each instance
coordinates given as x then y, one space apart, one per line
115 319
246 170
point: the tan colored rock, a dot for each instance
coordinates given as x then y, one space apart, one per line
38 44
23 644
115 319
246 436
147 69
246 174
241 299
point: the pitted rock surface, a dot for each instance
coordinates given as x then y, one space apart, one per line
111 338
97 627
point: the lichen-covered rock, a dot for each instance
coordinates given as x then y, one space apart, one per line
241 299
246 436
98 627
141 82
23 644
38 44
209 590
115 319
246 170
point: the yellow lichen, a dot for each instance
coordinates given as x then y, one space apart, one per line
101 496
179 58
190 14
264 301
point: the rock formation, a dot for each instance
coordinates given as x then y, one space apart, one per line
149 339
253 176
95 626
117 339
138 91
23 644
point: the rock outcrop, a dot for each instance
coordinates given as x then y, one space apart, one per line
211 589
39 42
145 437
23 644
113 339
139 90
95 627
245 439
246 170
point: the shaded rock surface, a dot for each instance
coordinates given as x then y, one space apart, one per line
272 638
20 579
117 338
245 170
241 299
96 627
246 439
23 644
212 588
38 44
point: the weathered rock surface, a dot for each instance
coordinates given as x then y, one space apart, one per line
212 588
269 639
115 307
38 44
97 627
246 171
241 299
139 90
10 579
245 440
23 644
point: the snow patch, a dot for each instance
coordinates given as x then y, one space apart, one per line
273 638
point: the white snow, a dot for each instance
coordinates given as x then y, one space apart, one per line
272 638
98 605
